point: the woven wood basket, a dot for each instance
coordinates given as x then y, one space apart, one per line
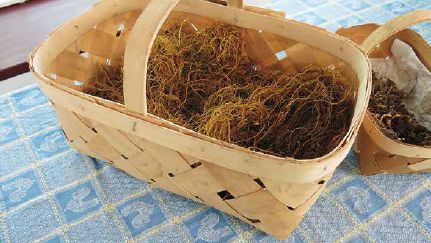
376 152
266 191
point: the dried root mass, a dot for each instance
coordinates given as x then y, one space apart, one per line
201 80
393 118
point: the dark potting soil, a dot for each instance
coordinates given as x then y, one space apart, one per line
392 116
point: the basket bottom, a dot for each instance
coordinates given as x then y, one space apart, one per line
374 160
273 207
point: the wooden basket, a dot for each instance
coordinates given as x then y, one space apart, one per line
376 152
266 191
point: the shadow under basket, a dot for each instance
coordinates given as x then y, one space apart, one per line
376 152
268 192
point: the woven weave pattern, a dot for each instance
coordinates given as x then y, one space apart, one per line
385 162
232 192
389 208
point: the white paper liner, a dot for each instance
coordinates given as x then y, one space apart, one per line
411 77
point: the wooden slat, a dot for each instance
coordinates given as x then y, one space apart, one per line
82 147
74 67
179 17
69 83
230 180
201 183
170 160
303 209
68 128
366 153
94 62
127 167
300 55
101 44
293 194
129 21
190 160
170 185
386 161
110 26
109 153
69 119
117 140
147 165
258 49
324 59
277 43
268 211
422 165
265 11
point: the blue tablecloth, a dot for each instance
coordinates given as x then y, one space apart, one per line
50 193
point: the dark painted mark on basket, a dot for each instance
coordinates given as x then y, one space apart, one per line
134 127
120 30
321 182
171 175
290 208
409 163
200 199
391 155
124 156
235 18
225 195
195 165
224 3
152 180
65 135
94 130
85 141
254 221
260 183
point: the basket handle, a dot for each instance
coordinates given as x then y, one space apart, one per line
138 50
393 26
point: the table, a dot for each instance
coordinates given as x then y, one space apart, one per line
50 193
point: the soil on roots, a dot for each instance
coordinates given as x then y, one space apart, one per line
394 120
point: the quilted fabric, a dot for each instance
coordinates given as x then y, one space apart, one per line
50 193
